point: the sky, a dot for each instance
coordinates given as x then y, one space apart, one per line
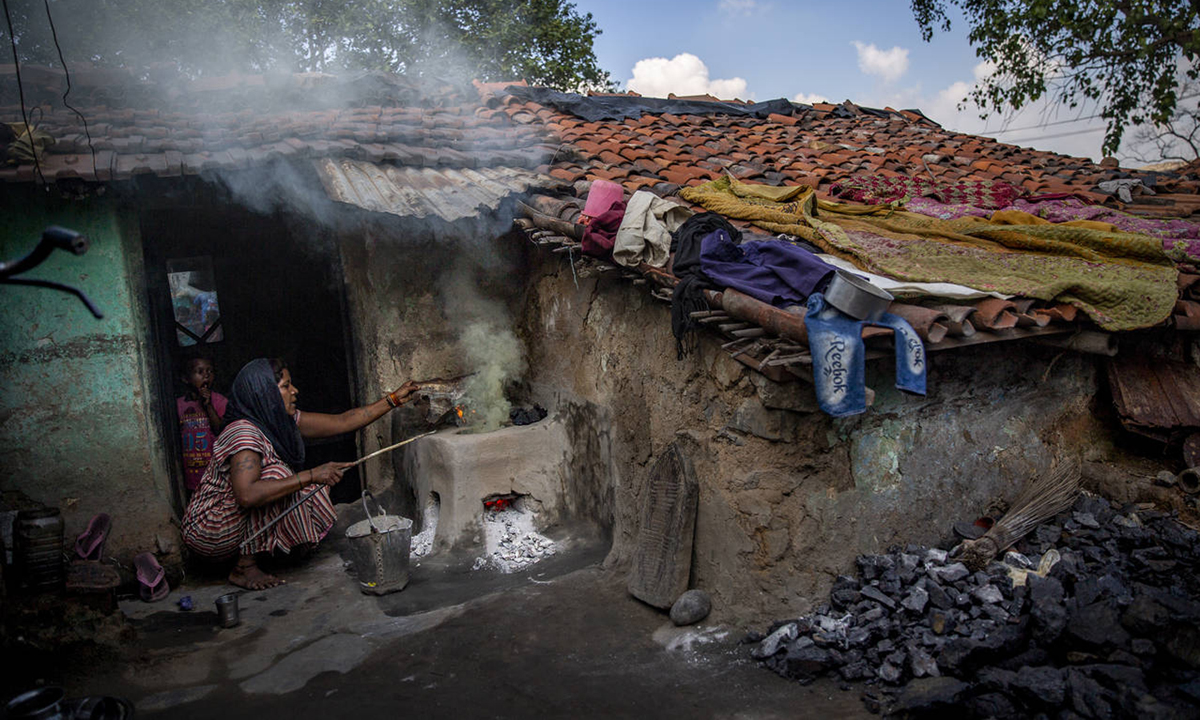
868 52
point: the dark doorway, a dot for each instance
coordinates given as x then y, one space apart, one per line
278 284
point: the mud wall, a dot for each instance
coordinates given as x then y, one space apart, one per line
789 496
74 431
411 287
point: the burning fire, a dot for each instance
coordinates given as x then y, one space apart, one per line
464 415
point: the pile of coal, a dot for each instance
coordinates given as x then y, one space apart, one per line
526 416
1095 615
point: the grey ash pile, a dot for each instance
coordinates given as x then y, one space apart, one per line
1111 630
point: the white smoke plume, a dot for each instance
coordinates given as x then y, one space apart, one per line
492 350
497 358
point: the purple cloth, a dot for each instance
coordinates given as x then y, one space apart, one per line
772 271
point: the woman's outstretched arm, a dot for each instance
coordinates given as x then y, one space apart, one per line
320 425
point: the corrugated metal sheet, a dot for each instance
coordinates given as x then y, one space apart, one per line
451 194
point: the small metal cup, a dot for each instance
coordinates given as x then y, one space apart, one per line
227 610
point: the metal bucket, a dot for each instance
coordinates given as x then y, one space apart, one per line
379 546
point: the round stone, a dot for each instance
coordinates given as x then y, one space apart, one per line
691 607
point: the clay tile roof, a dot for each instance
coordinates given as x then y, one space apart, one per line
238 120
822 146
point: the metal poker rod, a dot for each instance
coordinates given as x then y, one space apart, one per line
308 497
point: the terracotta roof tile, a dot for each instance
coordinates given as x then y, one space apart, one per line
493 128
646 166
634 153
598 173
682 175
569 175
637 182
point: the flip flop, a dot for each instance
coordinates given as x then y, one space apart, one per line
90 544
152 579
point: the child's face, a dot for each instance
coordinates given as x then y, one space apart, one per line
199 374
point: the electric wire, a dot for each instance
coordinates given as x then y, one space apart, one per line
67 73
1069 121
12 38
1043 125
1056 135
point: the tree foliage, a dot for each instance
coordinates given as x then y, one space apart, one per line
1128 57
545 42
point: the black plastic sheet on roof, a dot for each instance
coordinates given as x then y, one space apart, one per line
620 107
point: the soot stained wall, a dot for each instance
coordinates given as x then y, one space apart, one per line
412 287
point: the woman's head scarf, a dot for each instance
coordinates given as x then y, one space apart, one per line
255 397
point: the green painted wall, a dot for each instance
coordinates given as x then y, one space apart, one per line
75 430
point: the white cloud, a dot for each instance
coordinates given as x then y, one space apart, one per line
684 74
809 98
889 65
739 7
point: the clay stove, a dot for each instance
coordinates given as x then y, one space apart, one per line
458 470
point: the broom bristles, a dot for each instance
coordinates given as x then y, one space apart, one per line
1042 499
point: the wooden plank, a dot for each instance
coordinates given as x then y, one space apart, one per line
662 558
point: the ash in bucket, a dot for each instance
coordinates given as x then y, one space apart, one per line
511 542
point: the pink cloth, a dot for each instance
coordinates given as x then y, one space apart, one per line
197 436
601 196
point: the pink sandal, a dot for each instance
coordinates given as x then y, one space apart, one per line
151 577
90 544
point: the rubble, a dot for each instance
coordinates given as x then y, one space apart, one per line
1108 625
511 542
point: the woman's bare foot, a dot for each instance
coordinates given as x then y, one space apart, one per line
247 574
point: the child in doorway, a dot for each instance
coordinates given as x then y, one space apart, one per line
201 417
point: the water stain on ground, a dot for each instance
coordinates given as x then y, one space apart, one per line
175 628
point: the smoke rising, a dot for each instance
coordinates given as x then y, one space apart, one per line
496 356
493 351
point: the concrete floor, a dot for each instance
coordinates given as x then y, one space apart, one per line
562 639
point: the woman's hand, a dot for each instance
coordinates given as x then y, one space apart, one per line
329 474
401 395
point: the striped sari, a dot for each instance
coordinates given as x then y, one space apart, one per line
214 525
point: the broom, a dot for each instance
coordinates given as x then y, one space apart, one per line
1041 500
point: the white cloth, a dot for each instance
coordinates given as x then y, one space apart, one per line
645 232
901 288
